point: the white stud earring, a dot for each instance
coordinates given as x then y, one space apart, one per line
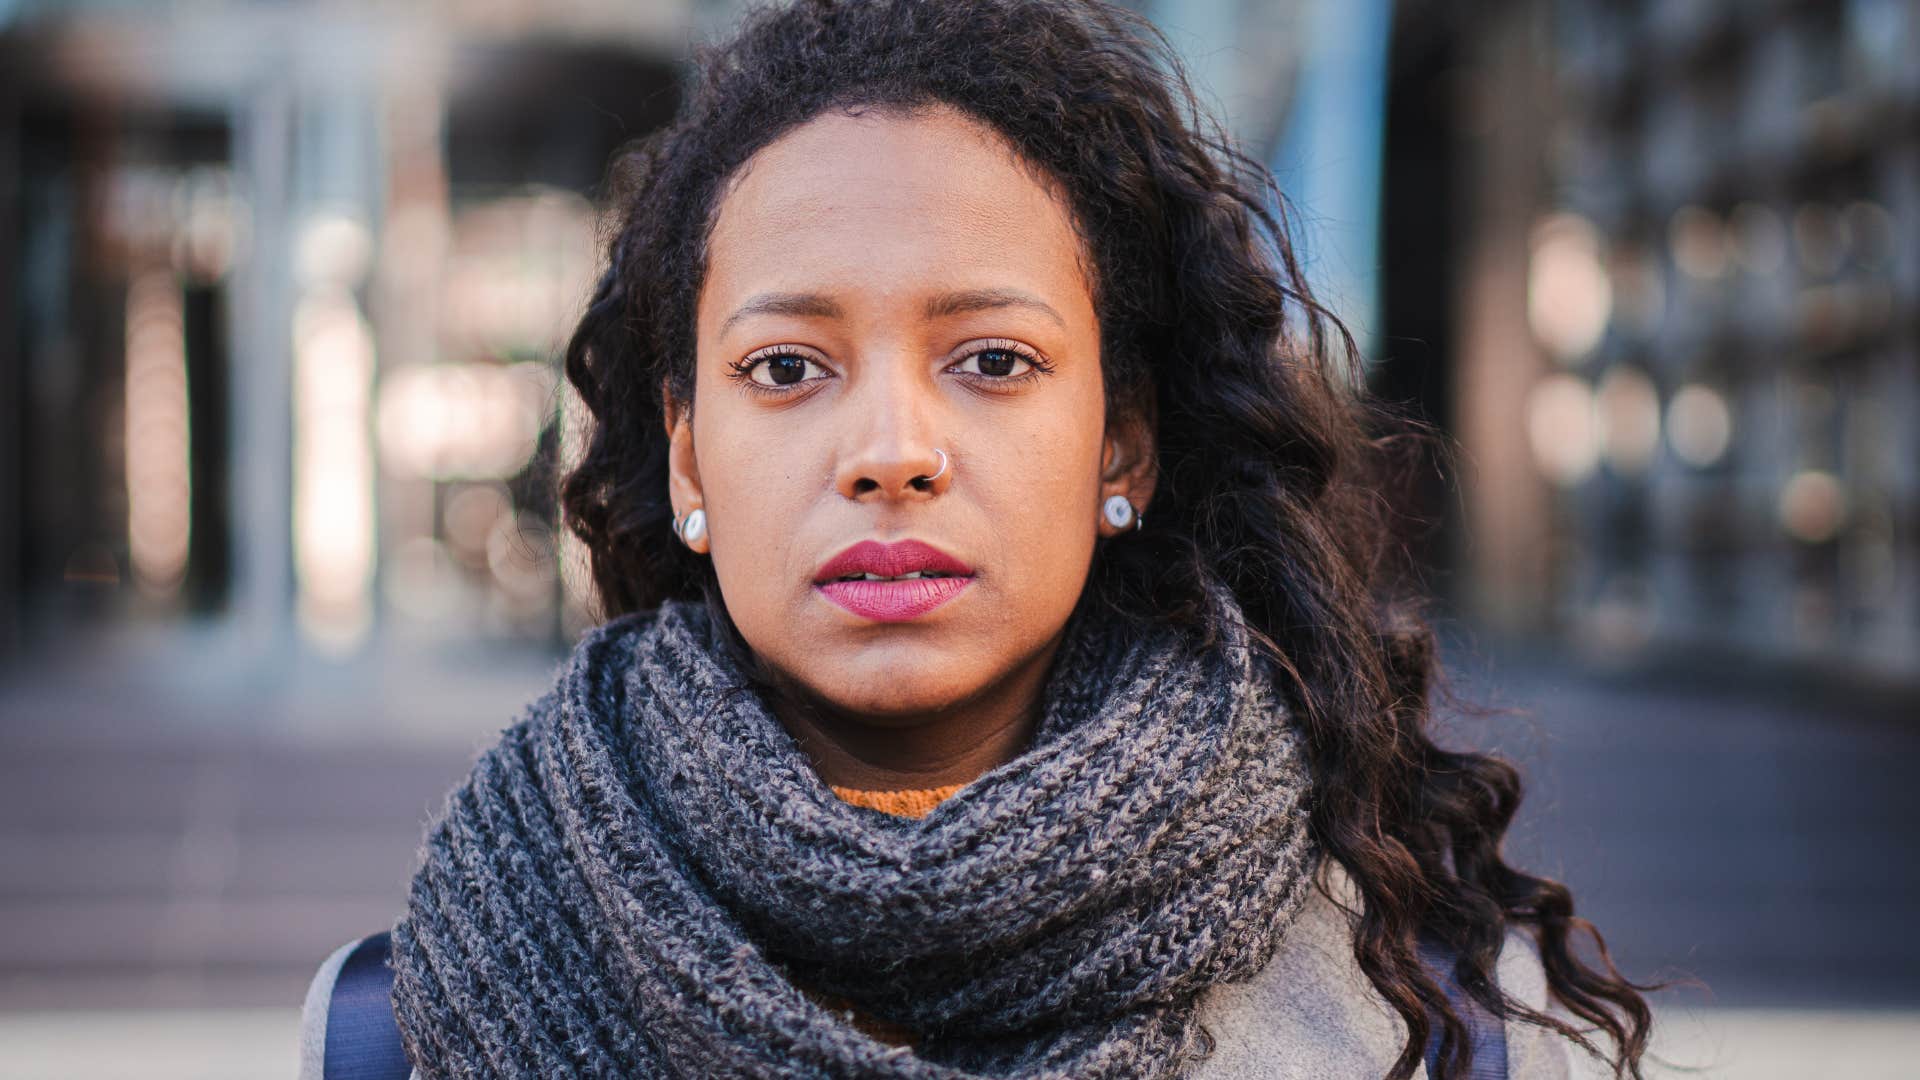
1119 512
692 528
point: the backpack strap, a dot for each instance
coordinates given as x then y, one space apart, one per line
1485 1030
363 1039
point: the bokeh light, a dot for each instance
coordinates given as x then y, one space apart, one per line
1569 298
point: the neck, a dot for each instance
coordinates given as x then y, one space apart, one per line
953 744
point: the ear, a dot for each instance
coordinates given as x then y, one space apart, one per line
1129 465
683 471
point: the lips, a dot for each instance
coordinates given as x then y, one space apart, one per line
892 582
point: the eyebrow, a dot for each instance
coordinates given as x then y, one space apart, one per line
816 305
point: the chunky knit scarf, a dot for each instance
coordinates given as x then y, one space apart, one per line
646 877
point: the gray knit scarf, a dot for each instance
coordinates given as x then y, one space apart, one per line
645 876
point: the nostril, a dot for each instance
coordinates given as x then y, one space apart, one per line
865 484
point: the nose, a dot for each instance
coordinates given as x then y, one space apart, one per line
892 451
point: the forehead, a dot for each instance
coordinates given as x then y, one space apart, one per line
884 198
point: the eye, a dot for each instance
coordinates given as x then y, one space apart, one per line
997 361
777 370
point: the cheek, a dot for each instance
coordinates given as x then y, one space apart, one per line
1041 492
756 484
753 470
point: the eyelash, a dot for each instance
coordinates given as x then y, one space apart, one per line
741 370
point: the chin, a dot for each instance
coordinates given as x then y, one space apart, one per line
885 673
888 693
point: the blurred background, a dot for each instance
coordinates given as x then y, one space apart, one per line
281 288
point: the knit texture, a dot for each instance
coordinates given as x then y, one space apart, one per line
646 877
901 802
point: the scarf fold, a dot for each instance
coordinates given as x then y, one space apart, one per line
646 876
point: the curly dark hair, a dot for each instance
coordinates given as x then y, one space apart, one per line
1268 456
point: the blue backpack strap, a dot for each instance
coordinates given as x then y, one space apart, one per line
1486 1031
363 1039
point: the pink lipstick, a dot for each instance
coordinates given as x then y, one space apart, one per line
892 582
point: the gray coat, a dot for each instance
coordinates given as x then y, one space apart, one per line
1310 1014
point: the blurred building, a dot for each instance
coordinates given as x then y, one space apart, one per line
1678 339
282 288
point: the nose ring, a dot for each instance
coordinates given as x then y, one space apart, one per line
943 467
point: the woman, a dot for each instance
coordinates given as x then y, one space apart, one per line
1000 678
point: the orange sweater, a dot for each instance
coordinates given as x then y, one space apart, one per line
909 802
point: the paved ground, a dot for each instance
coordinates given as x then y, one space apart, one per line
179 835
1751 830
259 1044
190 842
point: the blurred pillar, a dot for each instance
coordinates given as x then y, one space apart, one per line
405 295
1507 505
13 368
1328 162
309 149
261 385
338 191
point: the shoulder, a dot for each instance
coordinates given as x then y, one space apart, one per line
316 1010
1533 1050
1311 1012
313 1012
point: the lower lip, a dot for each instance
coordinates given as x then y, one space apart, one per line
893 601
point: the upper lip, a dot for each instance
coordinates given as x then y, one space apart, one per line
889 560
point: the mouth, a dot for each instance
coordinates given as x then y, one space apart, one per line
892 582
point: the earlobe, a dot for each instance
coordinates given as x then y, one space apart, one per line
1127 481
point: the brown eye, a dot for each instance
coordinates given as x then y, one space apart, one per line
999 363
782 369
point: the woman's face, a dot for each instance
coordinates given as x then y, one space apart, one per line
878 287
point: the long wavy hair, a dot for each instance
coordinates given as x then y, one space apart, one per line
1270 457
